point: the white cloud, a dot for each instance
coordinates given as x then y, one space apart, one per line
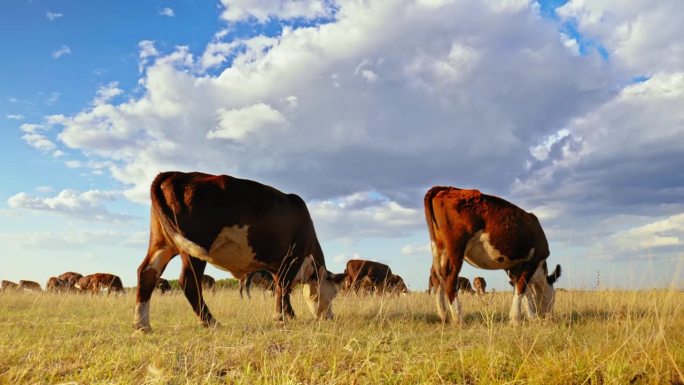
235 124
14 116
166 11
53 15
76 240
643 36
417 250
61 51
44 189
39 141
87 205
106 93
147 50
263 10
52 99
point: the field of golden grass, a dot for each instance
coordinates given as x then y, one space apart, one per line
608 337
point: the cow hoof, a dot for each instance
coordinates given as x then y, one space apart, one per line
142 329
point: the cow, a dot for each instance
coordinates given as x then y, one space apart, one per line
8 285
240 226
208 283
379 274
480 285
261 278
99 282
70 278
30 286
462 287
163 285
56 285
490 233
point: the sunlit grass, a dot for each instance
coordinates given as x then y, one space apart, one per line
605 337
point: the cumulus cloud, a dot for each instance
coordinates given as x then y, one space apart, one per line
61 51
89 205
105 93
263 10
168 12
417 250
360 113
643 36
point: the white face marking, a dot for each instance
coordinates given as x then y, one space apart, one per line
540 295
481 253
319 294
231 251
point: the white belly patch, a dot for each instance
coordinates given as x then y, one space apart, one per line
481 253
231 251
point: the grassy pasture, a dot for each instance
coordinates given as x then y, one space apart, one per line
605 337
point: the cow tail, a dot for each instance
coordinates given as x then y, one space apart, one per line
168 220
430 211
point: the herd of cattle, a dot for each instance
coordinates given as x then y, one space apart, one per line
243 226
266 237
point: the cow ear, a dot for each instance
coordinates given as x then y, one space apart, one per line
551 279
337 278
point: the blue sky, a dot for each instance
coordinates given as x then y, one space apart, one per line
570 110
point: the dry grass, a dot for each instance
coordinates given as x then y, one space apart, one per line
593 338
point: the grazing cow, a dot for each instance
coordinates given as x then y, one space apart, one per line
163 285
261 278
30 286
99 282
56 285
490 233
464 286
208 283
8 285
70 278
463 283
480 285
237 225
379 274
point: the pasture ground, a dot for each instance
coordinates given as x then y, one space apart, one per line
607 337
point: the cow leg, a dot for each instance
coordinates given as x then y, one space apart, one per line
452 261
283 281
191 282
248 285
520 285
149 272
242 285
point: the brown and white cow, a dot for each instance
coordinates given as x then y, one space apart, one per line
8 285
237 225
56 285
30 286
163 285
208 283
490 233
261 278
69 279
480 285
100 282
462 287
375 273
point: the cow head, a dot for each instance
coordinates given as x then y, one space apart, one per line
320 290
540 292
397 285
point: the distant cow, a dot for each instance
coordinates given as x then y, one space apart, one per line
463 284
480 285
69 279
8 285
490 233
261 278
99 282
240 226
163 285
30 286
208 283
56 285
379 274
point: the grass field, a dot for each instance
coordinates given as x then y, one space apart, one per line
594 337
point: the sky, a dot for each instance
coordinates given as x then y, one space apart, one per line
570 109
